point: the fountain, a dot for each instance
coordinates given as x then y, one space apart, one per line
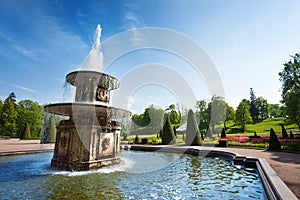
90 138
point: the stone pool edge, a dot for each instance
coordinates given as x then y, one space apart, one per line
274 187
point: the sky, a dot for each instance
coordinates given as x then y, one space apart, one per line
246 41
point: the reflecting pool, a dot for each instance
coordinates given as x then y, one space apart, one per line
140 175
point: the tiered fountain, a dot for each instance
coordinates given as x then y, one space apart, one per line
90 138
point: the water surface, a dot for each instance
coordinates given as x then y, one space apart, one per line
140 175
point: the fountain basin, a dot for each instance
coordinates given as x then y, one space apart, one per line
140 175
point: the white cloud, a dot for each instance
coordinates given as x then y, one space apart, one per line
25 89
25 52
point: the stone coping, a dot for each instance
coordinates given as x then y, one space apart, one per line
274 187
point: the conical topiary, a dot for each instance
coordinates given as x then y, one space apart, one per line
291 134
223 133
168 136
284 133
26 133
274 142
193 136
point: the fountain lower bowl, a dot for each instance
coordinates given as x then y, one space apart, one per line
69 109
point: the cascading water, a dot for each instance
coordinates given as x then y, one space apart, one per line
90 137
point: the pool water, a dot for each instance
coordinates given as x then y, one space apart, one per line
140 175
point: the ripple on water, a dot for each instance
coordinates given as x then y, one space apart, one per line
140 175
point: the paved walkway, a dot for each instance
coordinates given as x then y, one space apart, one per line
286 165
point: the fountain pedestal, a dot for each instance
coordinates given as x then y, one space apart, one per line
90 138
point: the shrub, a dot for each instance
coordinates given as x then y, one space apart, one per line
168 136
291 134
223 133
223 143
26 133
284 133
136 139
192 132
144 141
274 142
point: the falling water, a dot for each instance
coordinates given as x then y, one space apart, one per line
94 60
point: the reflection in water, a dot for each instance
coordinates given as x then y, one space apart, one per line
140 175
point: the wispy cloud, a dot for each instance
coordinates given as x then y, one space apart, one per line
25 89
25 52
131 22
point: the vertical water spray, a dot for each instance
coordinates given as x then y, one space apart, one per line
94 60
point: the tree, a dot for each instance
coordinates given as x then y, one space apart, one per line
275 110
29 113
230 114
202 114
292 107
26 133
290 78
216 111
8 116
168 136
263 108
193 136
253 105
274 142
242 114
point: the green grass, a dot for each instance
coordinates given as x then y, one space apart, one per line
263 128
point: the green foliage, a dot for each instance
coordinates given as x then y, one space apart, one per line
136 139
193 136
253 105
283 131
275 110
223 133
168 136
151 121
242 114
216 111
30 113
202 111
8 117
291 88
26 133
274 142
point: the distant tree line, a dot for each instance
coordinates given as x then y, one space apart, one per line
21 119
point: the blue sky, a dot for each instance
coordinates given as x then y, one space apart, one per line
248 41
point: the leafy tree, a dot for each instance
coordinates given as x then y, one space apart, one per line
253 105
216 111
274 142
242 114
292 107
8 116
168 136
151 120
230 114
275 110
193 136
290 78
202 113
30 113
26 132
263 108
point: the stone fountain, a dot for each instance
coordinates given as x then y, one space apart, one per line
90 137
